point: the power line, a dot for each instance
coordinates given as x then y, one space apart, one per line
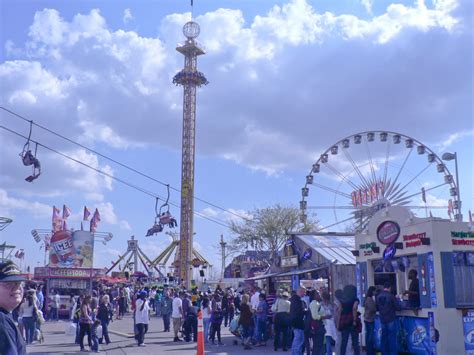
117 162
136 187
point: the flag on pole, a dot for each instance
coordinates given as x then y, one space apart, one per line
66 212
56 220
86 214
95 221
64 226
96 215
423 194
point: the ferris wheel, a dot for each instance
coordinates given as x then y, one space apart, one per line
369 171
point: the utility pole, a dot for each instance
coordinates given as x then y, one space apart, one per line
223 244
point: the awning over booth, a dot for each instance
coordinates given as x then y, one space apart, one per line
332 247
302 271
261 277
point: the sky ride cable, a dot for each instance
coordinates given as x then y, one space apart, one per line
124 182
119 163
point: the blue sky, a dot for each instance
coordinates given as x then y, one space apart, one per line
287 80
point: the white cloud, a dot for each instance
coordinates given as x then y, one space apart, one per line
367 5
11 206
281 86
108 215
453 138
127 16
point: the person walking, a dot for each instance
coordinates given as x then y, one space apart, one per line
142 317
246 321
281 311
216 319
95 335
206 317
297 314
85 322
166 309
370 308
11 294
387 305
177 315
105 315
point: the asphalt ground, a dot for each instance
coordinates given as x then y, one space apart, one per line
122 341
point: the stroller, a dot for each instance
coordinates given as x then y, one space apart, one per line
236 330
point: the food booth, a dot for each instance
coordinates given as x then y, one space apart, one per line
442 252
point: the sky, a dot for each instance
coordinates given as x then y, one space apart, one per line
288 80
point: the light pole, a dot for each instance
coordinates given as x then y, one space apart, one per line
448 157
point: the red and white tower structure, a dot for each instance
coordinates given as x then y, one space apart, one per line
190 78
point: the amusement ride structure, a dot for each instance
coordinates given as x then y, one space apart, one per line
368 171
190 78
134 252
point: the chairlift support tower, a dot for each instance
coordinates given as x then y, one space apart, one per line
190 78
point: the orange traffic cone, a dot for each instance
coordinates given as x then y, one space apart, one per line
200 339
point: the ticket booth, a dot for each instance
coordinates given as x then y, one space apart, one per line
442 253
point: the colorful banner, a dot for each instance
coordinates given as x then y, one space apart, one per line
72 249
468 326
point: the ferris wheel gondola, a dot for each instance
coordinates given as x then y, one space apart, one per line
369 171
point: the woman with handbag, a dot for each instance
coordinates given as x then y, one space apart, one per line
105 314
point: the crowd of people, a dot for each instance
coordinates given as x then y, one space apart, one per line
305 321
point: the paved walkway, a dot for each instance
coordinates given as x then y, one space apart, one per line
157 342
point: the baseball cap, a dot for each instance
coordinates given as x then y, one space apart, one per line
9 272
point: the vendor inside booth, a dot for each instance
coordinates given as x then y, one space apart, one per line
429 263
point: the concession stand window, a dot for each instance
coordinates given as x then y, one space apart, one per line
458 283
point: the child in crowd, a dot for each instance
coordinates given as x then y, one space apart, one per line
96 335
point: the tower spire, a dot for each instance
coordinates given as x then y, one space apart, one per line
190 78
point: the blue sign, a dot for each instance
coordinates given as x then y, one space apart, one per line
412 335
295 282
468 326
434 301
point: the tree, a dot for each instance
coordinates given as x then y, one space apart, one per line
267 229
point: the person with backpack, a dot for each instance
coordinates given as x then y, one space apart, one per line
142 317
216 319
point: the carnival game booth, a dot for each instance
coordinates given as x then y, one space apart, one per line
314 260
442 252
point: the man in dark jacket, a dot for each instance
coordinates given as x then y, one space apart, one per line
297 312
11 294
387 305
